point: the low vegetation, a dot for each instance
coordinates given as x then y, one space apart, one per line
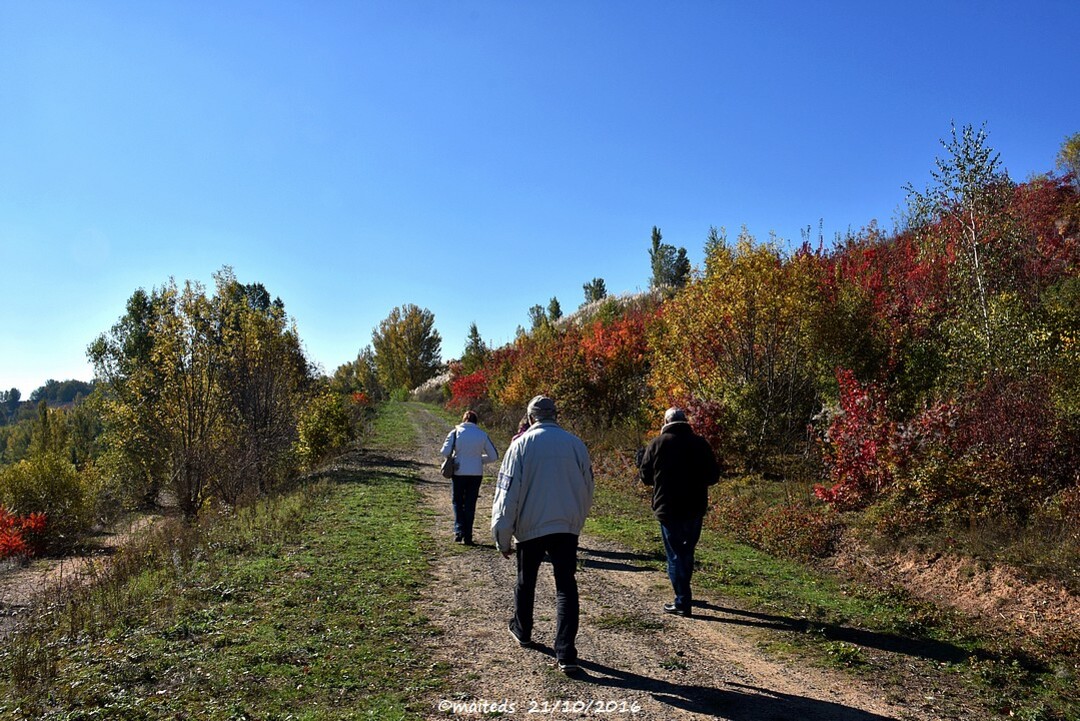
300 605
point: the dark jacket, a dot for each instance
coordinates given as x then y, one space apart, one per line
680 466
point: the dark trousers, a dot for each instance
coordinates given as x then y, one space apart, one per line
465 490
561 548
680 540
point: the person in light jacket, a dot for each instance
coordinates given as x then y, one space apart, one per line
471 448
544 492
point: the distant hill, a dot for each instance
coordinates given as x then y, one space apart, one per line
58 393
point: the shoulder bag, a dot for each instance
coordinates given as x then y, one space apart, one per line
450 464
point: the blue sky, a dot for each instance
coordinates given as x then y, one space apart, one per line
473 158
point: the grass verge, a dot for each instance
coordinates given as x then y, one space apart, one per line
301 607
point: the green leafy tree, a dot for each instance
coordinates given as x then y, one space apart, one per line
50 431
476 352
714 242
537 317
670 266
201 393
595 289
15 441
965 205
57 392
325 428
265 376
84 431
554 310
407 348
367 372
9 403
358 376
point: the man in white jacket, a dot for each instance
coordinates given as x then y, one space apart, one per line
471 448
544 492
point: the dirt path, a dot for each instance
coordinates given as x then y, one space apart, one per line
637 662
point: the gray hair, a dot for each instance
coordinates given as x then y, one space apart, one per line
675 415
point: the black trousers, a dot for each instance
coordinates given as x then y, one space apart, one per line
464 491
561 548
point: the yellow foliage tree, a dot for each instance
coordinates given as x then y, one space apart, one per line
737 341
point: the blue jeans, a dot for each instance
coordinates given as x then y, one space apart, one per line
561 548
465 490
680 539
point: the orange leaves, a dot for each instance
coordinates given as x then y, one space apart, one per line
18 534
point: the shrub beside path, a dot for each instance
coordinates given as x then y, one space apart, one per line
637 663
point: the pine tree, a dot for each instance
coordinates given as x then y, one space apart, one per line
594 290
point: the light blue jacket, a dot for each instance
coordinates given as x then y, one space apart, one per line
472 449
545 486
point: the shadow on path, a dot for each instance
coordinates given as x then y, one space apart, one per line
922 648
736 702
618 560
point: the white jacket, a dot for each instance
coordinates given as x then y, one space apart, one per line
472 449
545 486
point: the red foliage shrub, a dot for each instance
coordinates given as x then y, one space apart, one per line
1013 444
19 535
709 419
858 447
907 289
468 390
1047 252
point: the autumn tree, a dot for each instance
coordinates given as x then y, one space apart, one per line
1068 157
358 376
737 342
265 376
407 348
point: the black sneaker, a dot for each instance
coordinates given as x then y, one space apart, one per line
568 666
676 611
457 538
523 642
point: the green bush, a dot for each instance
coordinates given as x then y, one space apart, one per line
48 483
325 427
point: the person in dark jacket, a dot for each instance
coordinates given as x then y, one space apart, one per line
680 466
